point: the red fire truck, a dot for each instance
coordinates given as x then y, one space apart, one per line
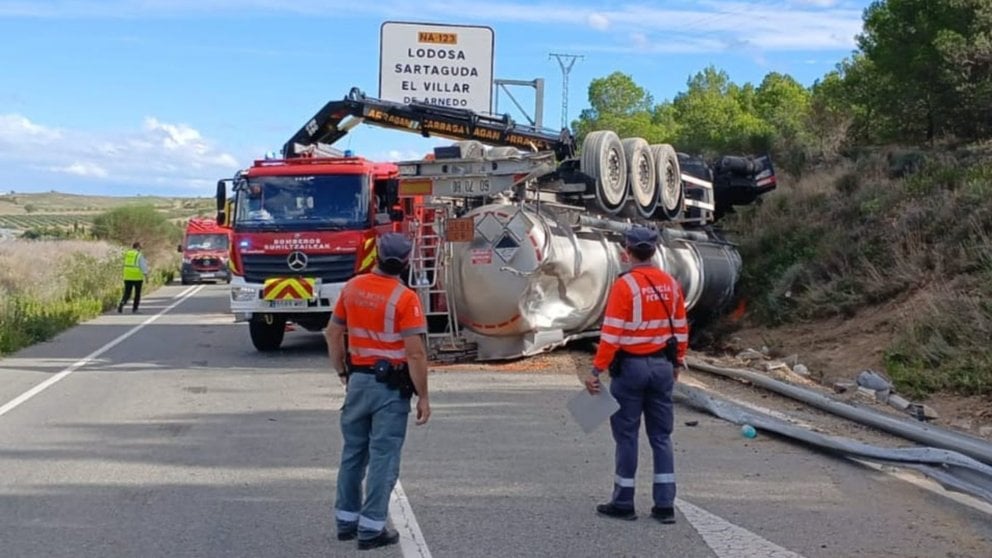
301 227
205 251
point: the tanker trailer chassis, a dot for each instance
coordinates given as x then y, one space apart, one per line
516 246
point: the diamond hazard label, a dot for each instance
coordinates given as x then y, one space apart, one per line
507 247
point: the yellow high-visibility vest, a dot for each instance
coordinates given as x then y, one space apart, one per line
132 271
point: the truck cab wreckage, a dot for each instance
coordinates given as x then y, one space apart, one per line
517 245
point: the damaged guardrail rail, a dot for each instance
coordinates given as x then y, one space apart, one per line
950 469
923 433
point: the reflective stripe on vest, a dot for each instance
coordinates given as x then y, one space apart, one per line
646 335
369 341
132 271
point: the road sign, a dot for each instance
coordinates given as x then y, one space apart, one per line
439 64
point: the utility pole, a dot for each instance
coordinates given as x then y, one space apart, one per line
565 69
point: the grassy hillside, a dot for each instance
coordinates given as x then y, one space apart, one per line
40 211
883 261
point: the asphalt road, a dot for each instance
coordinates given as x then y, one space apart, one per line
181 440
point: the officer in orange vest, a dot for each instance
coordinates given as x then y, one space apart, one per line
642 343
385 366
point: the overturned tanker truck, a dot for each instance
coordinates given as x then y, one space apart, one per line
518 232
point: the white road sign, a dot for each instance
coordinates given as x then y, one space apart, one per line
440 64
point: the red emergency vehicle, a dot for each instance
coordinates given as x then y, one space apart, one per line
205 250
301 227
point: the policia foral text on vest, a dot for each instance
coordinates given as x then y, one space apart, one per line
643 342
387 365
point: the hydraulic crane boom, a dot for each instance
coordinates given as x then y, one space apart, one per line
328 125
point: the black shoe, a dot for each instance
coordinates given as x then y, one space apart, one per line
347 535
386 537
120 308
610 510
664 515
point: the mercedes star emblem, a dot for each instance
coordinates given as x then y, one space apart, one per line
297 261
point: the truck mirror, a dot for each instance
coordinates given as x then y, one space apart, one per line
179 248
221 194
221 218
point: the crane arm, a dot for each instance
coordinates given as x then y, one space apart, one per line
329 125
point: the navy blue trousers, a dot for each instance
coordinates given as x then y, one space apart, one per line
643 387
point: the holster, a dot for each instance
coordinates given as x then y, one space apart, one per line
669 351
396 377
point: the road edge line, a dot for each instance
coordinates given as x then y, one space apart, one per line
20 399
412 542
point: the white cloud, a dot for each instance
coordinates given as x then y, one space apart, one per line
19 128
157 153
598 21
709 25
83 168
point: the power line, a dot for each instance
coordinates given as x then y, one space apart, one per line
565 69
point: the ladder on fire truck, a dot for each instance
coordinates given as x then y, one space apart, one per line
429 275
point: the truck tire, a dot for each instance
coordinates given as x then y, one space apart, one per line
603 159
642 176
671 192
267 332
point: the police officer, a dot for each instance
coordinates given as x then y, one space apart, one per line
385 325
642 344
135 271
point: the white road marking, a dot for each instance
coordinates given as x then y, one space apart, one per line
411 539
727 540
92 356
188 289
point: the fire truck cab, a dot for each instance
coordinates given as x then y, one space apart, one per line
301 227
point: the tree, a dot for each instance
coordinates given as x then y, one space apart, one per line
138 223
713 115
617 103
931 54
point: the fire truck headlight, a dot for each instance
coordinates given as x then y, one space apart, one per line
243 294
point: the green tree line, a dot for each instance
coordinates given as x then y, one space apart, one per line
921 73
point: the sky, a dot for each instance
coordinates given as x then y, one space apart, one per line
164 97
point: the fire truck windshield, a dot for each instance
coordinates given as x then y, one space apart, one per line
206 242
317 202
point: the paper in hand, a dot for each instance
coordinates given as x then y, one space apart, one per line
591 410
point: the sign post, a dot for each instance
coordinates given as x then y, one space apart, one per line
438 64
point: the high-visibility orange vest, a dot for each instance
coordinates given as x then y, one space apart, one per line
636 320
378 312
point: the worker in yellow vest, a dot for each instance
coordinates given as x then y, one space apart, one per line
135 271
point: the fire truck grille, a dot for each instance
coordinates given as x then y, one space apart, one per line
206 263
330 268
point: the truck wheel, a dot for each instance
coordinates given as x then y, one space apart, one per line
603 159
642 175
186 281
671 193
267 332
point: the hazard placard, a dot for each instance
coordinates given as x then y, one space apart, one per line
460 230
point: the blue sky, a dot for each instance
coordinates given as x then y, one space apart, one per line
166 96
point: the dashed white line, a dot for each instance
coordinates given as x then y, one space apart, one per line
412 542
92 356
727 540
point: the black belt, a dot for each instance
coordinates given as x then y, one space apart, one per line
362 371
